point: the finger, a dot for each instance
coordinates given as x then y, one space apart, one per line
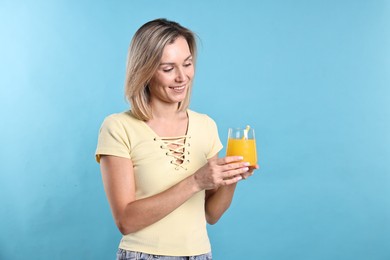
229 159
252 168
233 180
246 175
234 166
235 172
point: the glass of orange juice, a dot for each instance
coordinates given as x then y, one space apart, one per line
242 142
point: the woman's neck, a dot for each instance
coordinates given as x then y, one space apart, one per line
166 111
168 120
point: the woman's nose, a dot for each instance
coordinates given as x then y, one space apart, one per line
180 75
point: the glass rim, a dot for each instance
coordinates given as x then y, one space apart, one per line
240 128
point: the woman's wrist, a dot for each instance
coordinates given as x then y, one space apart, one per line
193 184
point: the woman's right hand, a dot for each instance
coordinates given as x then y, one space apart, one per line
219 172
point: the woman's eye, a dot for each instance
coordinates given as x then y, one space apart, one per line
187 64
167 69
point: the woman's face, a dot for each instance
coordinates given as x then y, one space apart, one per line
171 81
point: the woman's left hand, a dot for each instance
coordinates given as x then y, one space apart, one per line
250 172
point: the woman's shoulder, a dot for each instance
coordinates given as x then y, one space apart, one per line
124 116
201 120
198 116
123 120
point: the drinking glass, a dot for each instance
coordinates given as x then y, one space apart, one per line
242 142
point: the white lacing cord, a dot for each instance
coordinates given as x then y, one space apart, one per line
176 149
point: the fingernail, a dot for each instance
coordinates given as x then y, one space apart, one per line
246 169
246 163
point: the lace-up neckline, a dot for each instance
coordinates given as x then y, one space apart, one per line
176 149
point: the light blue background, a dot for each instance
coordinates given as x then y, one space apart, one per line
312 77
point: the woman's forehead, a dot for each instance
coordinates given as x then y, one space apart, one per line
176 51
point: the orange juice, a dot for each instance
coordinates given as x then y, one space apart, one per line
242 147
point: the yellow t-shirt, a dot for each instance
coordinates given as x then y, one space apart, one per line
182 232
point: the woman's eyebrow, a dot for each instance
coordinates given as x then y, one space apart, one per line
188 58
172 63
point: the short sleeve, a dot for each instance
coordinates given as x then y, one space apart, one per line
215 144
113 139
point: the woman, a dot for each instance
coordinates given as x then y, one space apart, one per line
159 161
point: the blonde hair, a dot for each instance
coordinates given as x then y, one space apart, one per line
143 59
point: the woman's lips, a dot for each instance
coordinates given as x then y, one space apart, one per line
178 88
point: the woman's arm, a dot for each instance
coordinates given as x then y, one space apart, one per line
132 215
218 200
